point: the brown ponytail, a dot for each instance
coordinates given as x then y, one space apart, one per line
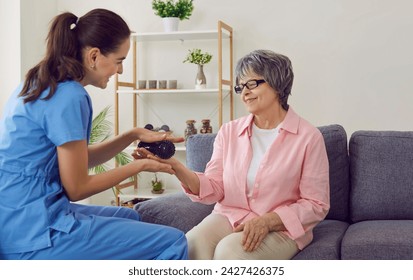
68 36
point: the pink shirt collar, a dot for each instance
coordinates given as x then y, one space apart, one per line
290 123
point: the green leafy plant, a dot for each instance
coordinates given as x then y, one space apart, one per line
181 9
197 57
101 130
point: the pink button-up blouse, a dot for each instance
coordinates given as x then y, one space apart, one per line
292 179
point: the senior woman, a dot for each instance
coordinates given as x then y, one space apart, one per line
268 173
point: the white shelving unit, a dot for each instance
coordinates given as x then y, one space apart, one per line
221 93
171 91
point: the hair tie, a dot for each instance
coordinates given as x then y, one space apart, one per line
73 25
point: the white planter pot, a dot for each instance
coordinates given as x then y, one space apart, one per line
170 24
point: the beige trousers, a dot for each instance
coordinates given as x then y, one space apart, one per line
214 239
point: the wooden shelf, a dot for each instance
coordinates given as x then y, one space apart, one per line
138 96
143 193
170 91
178 35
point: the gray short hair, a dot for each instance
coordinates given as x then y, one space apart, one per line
276 69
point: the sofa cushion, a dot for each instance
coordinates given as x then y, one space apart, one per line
335 139
381 175
199 149
326 244
378 240
175 210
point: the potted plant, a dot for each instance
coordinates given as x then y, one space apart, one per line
157 185
172 11
100 131
196 56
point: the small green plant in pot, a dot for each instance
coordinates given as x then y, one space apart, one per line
157 185
172 11
196 56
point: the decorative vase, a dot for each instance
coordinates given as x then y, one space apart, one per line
170 24
200 81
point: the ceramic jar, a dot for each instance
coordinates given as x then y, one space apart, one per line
200 81
206 127
190 128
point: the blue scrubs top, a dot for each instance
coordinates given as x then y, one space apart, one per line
33 201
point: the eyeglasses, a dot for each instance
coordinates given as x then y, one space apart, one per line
251 84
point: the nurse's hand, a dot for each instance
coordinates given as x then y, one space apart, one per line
186 176
142 153
150 136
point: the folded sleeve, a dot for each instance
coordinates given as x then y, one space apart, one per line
68 117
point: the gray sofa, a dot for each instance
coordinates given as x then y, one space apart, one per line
371 196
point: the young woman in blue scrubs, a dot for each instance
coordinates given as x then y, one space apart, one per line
45 157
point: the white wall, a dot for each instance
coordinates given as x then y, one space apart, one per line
9 48
24 28
352 59
35 19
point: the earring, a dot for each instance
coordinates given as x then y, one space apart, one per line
92 66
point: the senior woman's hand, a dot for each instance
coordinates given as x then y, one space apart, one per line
254 232
141 153
256 229
186 176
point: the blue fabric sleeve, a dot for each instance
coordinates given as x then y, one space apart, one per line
68 116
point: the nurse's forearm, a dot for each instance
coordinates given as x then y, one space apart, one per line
80 186
102 152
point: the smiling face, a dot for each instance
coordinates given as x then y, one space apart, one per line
260 100
100 67
274 68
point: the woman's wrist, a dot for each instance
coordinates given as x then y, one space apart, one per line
273 221
132 135
138 165
177 165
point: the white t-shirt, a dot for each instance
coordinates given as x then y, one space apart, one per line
261 139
